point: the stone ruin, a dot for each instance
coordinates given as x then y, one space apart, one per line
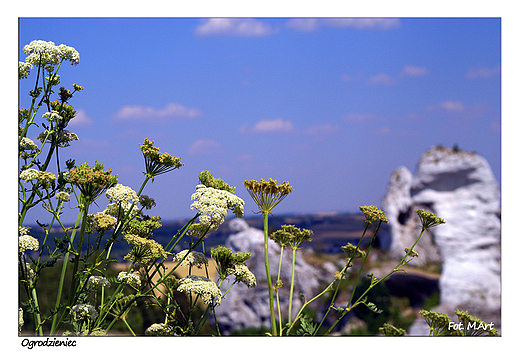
459 187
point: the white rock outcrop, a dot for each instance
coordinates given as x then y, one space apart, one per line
245 307
459 187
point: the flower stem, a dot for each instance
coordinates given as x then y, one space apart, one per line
292 284
268 273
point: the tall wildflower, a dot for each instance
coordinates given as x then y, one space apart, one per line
267 194
91 181
157 163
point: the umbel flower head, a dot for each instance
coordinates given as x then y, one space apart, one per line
47 53
213 205
267 194
429 219
190 258
291 236
202 286
158 163
91 181
144 250
373 213
227 262
207 179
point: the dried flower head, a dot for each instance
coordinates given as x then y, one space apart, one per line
373 213
473 326
291 236
391 331
143 250
226 260
144 227
429 219
91 181
413 253
158 163
353 251
267 194
202 286
207 179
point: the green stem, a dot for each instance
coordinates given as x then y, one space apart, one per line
128 326
62 276
277 292
349 263
292 285
268 273
37 313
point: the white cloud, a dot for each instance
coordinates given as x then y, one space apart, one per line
303 24
312 24
365 23
81 119
411 70
452 106
172 110
205 147
381 79
269 126
480 72
233 27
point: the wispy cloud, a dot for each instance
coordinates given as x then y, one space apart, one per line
412 70
171 111
81 119
382 79
449 106
312 24
234 27
480 72
205 147
269 126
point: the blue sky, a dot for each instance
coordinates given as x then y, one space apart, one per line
331 105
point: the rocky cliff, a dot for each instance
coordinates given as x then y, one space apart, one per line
249 307
459 187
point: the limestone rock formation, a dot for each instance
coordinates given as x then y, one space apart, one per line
245 307
459 187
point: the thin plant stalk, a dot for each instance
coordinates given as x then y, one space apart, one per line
292 285
268 273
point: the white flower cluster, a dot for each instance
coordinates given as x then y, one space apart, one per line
98 281
52 116
158 329
193 259
120 193
42 52
27 242
62 196
129 278
23 69
20 320
213 205
244 275
27 144
84 311
29 174
64 137
202 286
